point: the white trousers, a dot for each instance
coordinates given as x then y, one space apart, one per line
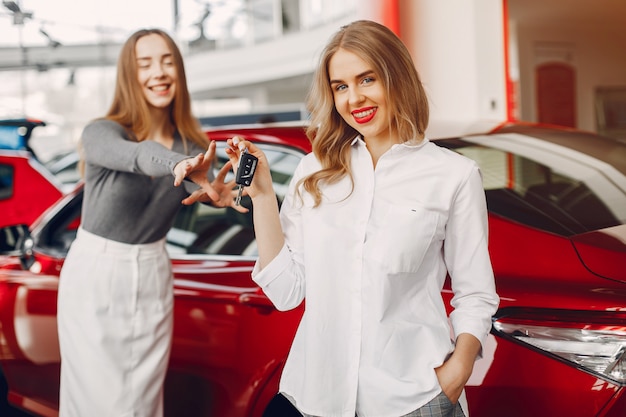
115 318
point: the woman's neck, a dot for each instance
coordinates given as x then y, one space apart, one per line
377 146
161 128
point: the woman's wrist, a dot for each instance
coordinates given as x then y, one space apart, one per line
264 198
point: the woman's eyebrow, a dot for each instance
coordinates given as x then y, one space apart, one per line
361 75
146 58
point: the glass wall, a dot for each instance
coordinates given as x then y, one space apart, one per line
215 24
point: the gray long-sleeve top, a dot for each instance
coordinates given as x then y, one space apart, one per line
129 186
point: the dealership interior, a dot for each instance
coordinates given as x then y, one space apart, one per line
533 92
557 61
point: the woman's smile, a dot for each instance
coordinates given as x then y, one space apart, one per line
364 115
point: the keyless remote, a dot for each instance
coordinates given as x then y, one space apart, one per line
245 172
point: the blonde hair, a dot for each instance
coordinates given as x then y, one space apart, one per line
329 134
129 107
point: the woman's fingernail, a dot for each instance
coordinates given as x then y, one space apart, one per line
235 140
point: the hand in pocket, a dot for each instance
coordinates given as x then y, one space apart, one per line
451 379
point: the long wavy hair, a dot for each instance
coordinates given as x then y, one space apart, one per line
329 134
130 108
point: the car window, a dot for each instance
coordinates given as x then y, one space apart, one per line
12 137
55 236
541 196
204 229
65 167
6 181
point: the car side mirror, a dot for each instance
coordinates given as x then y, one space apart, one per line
17 241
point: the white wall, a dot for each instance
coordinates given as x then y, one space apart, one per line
598 55
458 48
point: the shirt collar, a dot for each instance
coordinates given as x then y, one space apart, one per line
398 147
358 139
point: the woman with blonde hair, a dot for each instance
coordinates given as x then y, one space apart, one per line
375 219
115 300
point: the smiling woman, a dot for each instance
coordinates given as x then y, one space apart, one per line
156 71
115 300
375 338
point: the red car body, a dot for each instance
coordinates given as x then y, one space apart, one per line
26 188
558 342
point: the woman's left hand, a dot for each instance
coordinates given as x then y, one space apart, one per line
456 371
451 379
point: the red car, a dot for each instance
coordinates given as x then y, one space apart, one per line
27 188
557 202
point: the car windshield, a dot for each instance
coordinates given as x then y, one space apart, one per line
546 185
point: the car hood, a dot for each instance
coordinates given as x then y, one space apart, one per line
603 252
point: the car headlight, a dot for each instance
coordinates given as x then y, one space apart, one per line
590 340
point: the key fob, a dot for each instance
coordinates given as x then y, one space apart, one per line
247 166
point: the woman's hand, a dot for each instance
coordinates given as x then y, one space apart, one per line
262 184
267 228
196 169
452 379
224 189
456 371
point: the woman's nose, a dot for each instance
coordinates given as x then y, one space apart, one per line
355 96
157 70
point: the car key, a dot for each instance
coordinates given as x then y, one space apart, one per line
245 172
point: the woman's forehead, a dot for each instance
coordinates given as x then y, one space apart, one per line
151 45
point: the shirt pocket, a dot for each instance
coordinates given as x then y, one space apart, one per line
403 236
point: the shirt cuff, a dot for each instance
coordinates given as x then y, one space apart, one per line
479 330
264 277
175 160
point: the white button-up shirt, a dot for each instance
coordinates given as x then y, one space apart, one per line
371 265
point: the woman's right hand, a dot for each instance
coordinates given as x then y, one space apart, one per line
196 169
267 227
261 185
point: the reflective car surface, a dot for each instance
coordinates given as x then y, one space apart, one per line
27 188
15 134
65 167
27 185
557 202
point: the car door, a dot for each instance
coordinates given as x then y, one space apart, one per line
229 341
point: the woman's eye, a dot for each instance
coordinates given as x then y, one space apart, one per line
368 80
340 87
